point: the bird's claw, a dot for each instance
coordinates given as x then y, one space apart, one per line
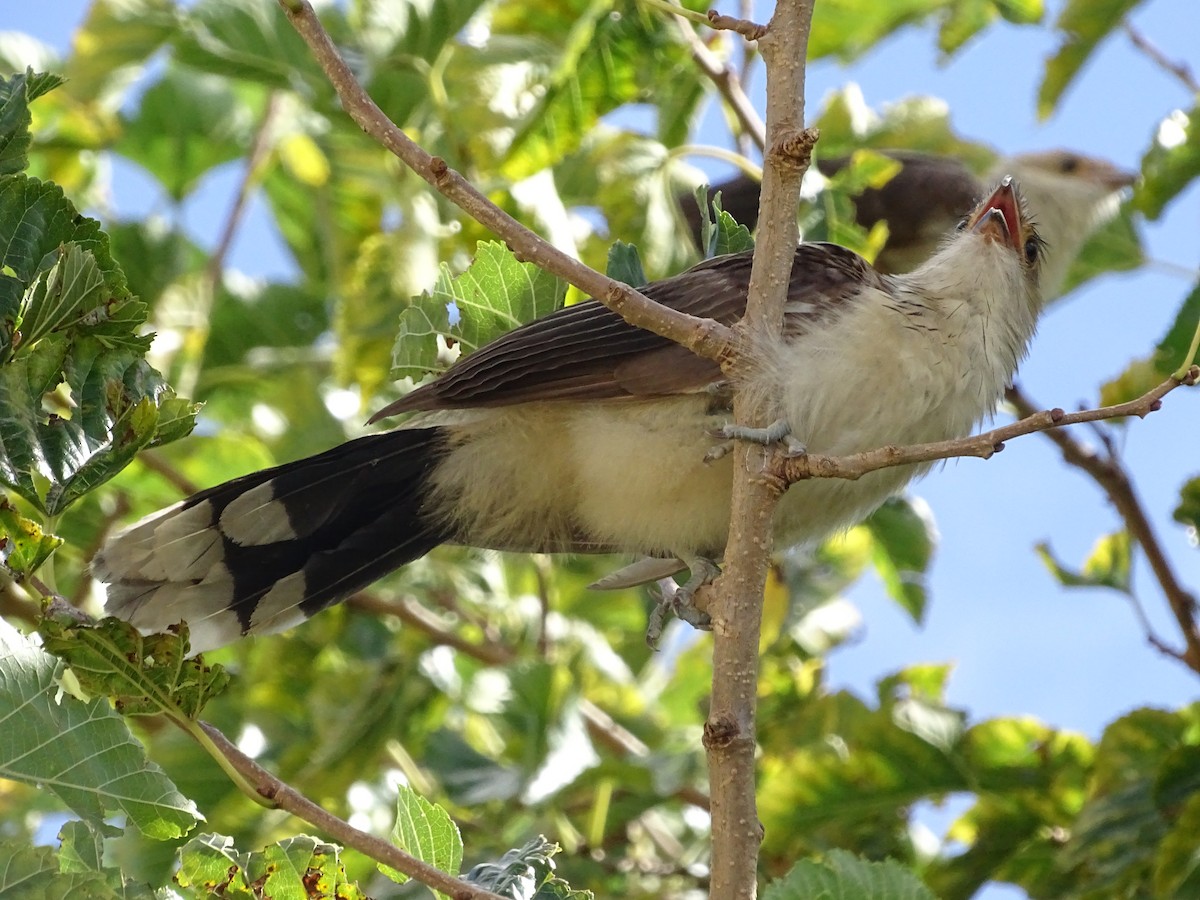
680 601
778 432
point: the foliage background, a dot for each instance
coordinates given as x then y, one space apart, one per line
1076 660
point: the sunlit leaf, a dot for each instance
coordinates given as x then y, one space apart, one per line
16 93
1084 24
625 265
609 57
296 868
426 831
24 545
526 873
1188 510
80 751
1108 565
146 674
34 872
1143 374
494 295
1171 164
844 876
117 38
904 537
185 125
1115 247
250 39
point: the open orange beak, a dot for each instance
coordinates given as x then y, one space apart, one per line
998 218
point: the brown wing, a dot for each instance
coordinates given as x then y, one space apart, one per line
588 352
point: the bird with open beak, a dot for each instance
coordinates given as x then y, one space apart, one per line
580 433
1069 194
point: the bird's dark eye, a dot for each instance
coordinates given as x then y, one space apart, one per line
1068 164
962 224
1033 247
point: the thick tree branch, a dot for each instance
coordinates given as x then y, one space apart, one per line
736 608
283 796
1112 478
703 337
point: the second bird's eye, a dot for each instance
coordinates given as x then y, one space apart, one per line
1032 249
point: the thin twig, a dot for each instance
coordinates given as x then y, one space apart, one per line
414 614
751 31
725 78
1179 69
703 337
283 796
787 470
189 373
1112 478
157 463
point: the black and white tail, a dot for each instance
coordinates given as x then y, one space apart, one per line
263 552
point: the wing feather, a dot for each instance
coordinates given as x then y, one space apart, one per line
588 352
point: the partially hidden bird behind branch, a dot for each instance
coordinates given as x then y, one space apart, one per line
1070 196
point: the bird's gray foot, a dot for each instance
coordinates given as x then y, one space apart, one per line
680 601
778 432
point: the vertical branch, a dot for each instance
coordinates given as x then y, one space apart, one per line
736 609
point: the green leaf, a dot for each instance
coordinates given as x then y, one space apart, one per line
16 93
210 862
492 296
426 831
297 868
1143 374
848 125
729 236
1177 862
80 751
114 42
154 255
526 873
186 124
251 40
611 54
1188 510
401 40
1021 12
1171 163
844 876
35 221
625 265
33 873
635 182
1084 23
962 21
24 545
147 674
848 28
81 846
1108 565
1115 247
80 399
904 538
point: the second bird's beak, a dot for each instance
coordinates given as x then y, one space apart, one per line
998 218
